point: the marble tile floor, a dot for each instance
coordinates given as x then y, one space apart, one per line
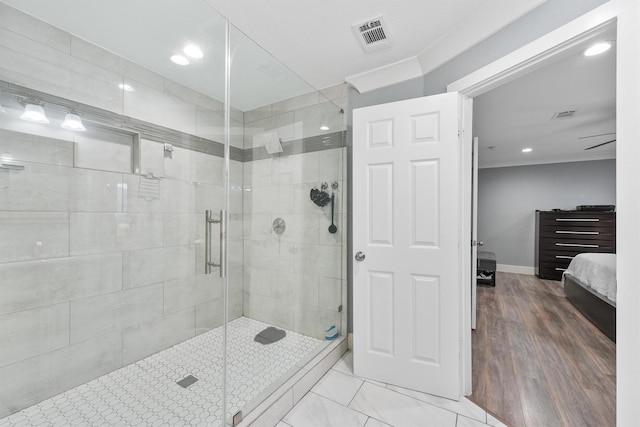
342 399
145 393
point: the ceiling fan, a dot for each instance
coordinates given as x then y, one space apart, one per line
601 144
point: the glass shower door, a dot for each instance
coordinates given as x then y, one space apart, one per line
110 154
286 275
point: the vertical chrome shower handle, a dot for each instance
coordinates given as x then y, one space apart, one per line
208 220
208 264
223 247
207 239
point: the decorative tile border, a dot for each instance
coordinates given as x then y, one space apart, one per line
151 131
299 146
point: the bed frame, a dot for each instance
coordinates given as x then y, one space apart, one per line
600 311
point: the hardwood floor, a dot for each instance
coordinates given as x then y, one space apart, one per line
537 361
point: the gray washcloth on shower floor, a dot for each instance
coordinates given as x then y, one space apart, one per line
270 335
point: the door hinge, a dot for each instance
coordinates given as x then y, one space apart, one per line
340 308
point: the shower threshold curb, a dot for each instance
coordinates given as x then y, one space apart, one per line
271 410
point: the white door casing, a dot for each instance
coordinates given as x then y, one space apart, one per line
406 221
474 232
467 259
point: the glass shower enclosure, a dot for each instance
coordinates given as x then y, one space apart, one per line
163 259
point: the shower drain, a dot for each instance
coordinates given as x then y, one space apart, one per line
187 381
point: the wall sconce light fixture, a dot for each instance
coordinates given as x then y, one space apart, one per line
34 113
73 122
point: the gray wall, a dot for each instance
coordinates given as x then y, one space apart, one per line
404 90
508 198
540 21
545 18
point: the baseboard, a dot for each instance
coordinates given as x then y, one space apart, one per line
518 269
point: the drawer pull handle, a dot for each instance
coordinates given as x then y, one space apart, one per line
560 269
578 232
563 257
577 245
579 219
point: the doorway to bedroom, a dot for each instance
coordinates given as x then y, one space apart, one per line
546 141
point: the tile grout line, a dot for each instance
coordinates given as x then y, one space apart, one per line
386 386
331 400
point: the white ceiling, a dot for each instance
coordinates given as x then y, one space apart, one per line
312 39
519 114
316 47
148 32
316 39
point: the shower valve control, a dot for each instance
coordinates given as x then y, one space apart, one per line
278 226
360 256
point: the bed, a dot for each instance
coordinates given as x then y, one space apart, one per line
590 285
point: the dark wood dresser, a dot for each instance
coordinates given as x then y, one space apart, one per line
562 235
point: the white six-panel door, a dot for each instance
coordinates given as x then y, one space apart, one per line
406 210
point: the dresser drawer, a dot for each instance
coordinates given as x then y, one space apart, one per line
560 236
581 219
550 273
563 230
557 258
577 245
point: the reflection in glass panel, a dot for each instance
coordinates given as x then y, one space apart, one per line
105 297
106 313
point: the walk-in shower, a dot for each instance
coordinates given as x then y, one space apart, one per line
162 261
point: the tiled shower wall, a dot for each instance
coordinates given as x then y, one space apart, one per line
100 267
295 280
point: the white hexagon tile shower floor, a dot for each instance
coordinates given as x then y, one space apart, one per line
145 393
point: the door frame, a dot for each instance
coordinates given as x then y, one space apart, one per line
550 47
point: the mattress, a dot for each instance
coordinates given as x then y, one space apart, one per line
596 271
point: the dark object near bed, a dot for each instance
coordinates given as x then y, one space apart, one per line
562 235
486 268
601 312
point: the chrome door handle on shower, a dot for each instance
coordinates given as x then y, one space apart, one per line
208 264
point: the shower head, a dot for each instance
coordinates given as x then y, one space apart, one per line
320 197
270 140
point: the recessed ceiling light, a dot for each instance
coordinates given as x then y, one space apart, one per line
597 49
126 87
180 60
527 150
193 51
324 127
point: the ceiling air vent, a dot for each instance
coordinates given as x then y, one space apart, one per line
373 34
564 114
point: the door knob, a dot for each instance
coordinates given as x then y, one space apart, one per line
360 256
